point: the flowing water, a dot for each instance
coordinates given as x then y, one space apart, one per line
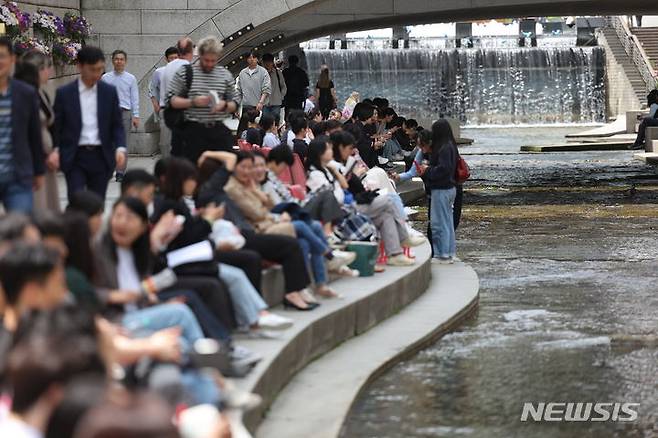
565 246
477 86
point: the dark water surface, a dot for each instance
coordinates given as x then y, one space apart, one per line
565 246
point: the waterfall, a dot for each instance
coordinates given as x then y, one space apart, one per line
476 86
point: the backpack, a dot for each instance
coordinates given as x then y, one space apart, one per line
175 118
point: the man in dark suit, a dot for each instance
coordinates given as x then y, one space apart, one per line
89 130
22 161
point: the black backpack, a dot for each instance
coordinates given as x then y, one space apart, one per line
175 118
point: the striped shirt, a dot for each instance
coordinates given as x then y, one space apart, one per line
6 154
219 80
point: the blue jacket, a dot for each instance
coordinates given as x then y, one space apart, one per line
68 123
27 148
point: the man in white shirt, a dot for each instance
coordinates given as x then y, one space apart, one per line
185 48
89 132
253 88
154 94
126 85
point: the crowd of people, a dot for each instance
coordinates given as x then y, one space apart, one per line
114 322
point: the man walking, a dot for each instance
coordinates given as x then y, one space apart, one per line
297 82
22 161
209 101
126 85
278 84
185 48
90 135
253 88
154 94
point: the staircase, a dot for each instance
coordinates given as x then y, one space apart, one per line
616 50
648 37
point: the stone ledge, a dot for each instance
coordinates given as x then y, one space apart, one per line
366 303
318 399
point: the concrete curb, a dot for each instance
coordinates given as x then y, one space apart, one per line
366 303
317 401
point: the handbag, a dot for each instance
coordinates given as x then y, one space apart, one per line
174 118
463 172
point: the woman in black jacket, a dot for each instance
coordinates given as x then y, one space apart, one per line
442 185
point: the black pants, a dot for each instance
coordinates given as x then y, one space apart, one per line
642 130
198 138
456 213
177 142
249 261
89 172
285 251
291 105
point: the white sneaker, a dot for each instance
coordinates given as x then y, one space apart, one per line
414 241
274 322
456 259
442 261
400 260
341 258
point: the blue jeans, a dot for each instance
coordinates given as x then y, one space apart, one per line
391 148
247 303
314 246
145 322
441 221
16 196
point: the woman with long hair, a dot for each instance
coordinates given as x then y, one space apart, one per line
36 68
325 93
443 188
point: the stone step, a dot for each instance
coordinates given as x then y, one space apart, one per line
318 399
366 303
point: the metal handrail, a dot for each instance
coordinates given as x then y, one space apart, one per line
635 51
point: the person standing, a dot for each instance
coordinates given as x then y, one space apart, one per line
442 185
47 197
89 130
154 95
297 82
126 85
279 88
22 161
185 48
325 93
209 101
253 88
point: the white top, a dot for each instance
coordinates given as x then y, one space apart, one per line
11 427
89 134
166 76
126 85
127 275
270 140
318 181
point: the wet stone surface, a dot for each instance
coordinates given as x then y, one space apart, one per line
566 248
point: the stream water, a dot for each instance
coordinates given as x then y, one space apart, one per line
566 248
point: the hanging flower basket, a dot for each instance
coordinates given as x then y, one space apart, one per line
25 44
47 26
65 51
16 22
77 27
